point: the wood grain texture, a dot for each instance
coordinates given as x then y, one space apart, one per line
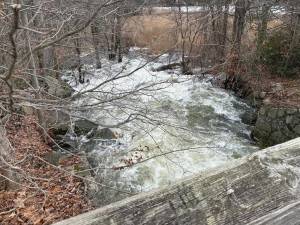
289 215
239 192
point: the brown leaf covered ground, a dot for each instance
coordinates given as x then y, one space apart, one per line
45 194
279 91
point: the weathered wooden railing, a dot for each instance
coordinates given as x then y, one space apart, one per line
262 188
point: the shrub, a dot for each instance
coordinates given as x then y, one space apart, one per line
279 56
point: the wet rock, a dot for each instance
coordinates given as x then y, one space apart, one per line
89 145
58 122
249 118
105 133
236 155
83 127
263 126
71 141
59 130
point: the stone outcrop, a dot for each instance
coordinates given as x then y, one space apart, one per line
276 125
262 188
57 87
83 126
272 124
68 134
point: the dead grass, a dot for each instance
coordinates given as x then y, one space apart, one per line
158 33
155 32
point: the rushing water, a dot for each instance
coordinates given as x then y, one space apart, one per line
186 126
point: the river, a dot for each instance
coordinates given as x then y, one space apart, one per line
183 125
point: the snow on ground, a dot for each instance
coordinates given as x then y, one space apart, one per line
277 10
190 9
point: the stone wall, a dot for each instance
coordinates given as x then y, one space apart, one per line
276 125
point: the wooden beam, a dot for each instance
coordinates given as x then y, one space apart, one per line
289 215
239 192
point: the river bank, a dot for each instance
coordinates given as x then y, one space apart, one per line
43 188
277 104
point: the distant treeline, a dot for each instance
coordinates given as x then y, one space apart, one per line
170 2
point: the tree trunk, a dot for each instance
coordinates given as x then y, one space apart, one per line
262 27
49 61
224 31
112 53
32 65
95 34
241 7
295 36
38 21
78 57
118 47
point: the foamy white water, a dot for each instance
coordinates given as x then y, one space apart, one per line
185 125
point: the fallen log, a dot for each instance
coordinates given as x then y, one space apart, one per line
170 66
262 188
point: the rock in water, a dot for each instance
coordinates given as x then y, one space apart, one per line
105 133
57 87
83 126
249 118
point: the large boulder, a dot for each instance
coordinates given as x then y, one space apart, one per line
105 133
58 122
57 87
83 127
249 117
68 137
62 125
